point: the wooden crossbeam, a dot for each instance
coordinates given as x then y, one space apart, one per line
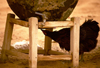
53 24
54 57
48 24
19 22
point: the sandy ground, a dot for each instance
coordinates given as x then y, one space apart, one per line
84 9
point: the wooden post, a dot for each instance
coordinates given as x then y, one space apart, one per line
33 31
71 37
75 41
47 45
7 37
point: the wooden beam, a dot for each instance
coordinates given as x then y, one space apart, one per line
71 37
33 37
54 57
19 22
47 45
53 24
75 41
7 37
48 24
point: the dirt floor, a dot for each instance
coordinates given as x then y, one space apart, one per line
84 9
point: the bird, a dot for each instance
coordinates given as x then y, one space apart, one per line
88 37
50 10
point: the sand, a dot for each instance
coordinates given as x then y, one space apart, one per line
84 9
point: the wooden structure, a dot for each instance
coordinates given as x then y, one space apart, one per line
49 54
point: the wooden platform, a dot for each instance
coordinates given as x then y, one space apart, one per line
48 54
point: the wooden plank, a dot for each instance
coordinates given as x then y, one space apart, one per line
7 37
53 24
47 45
33 37
75 41
48 24
19 22
54 57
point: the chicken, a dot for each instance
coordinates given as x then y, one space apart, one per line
88 37
62 37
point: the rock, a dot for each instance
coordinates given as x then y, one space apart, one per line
54 9
24 45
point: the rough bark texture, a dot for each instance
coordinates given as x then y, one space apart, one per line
53 9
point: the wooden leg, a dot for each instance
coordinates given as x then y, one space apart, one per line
71 40
33 35
7 37
75 41
47 45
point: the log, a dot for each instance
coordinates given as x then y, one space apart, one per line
75 30
47 45
19 22
33 37
7 37
48 24
53 24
